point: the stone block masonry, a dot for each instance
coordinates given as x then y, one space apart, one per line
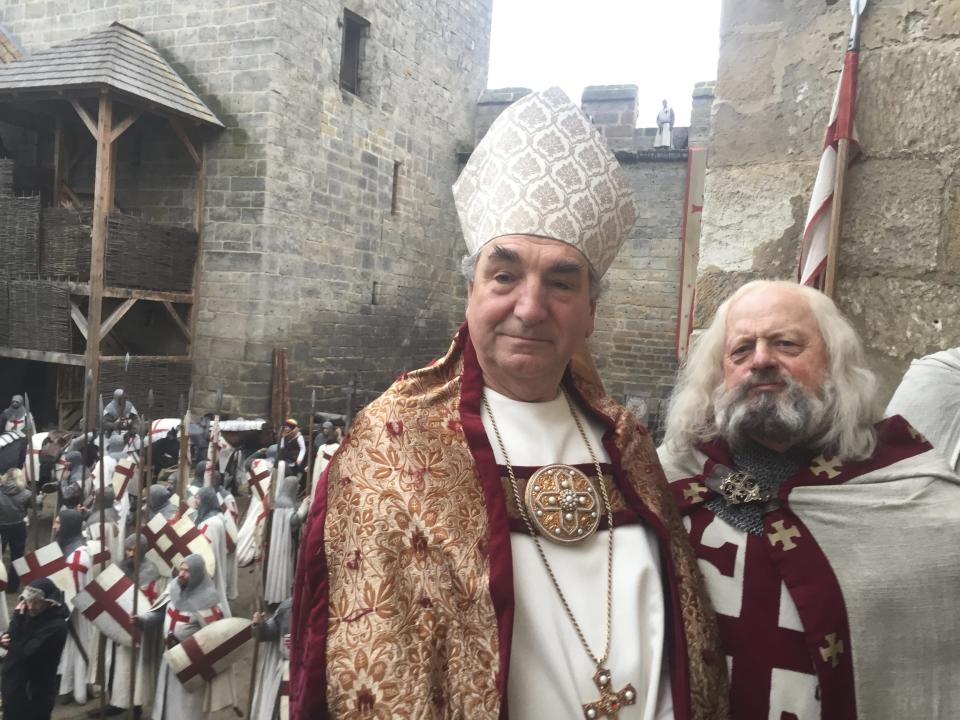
330 227
898 275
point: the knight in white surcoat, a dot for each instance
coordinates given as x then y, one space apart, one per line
813 522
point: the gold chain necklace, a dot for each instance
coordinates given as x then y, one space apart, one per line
610 701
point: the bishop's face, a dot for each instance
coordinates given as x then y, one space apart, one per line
529 310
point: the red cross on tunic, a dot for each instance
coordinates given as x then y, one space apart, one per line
755 640
77 568
15 424
211 614
150 590
127 472
256 481
203 531
176 618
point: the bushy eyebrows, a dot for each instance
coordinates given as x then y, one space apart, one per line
504 254
566 267
562 267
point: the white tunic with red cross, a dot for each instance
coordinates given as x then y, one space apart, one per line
822 614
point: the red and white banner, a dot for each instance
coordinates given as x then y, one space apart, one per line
48 562
107 602
169 543
816 229
209 651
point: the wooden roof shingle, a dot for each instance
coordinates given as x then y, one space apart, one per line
119 58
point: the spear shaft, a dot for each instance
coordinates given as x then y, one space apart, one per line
135 647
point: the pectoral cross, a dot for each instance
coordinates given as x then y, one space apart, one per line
610 702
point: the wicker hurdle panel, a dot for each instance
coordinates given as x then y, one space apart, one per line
65 244
6 176
167 380
149 256
39 316
19 235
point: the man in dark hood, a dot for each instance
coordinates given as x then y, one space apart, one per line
34 641
70 536
14 501
158 501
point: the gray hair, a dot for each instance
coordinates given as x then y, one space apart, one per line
468 268
850 434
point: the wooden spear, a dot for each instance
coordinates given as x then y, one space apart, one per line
144 474
310 454
32 481
102 641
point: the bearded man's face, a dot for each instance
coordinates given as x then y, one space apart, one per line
781 418
775 387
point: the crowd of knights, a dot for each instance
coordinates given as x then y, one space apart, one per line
136 620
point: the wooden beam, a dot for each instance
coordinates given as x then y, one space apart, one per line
198 214
85 116
77 288
79 319
177 320
116 316
42 356
122 126
147 358
102 202
58 152
187 143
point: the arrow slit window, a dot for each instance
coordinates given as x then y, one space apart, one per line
355 30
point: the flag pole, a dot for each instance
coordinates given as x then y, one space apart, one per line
845 131
135 640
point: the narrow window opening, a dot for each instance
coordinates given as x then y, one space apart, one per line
374 300
395 192
355 29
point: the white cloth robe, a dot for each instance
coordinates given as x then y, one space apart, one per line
551 675
273 658
232 575
929 397
279 581
172 701
73 670
213 529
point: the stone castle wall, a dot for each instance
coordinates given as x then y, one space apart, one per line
898 268
304 245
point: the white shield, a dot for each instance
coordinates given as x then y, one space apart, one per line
107 602
209 651
169 543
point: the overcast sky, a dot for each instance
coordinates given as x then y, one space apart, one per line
662 47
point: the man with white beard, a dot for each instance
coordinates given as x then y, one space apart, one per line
829 541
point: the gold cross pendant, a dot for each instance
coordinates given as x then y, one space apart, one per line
610 702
